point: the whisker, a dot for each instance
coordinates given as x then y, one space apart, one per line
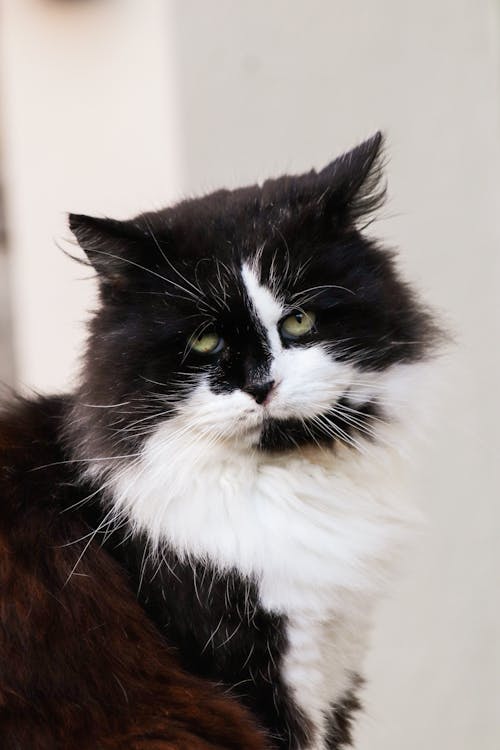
321 287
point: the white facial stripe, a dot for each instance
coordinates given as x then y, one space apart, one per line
310 381
266 307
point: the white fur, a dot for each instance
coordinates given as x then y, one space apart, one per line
317 529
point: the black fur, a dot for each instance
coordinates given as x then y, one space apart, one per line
163 277
222 633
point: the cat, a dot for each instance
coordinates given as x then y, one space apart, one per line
193 541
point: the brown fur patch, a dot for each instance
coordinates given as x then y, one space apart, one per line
81 666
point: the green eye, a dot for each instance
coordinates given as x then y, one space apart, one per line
207 343
297 324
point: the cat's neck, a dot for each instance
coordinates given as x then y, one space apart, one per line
307 525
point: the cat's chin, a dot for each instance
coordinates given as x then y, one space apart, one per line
248 436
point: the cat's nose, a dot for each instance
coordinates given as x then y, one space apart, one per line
259 391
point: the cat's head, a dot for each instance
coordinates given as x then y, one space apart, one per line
262 316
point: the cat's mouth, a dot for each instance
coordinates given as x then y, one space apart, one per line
292 417
343 422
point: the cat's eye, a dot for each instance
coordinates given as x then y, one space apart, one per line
207 343
297 324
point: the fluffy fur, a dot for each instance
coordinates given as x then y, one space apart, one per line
81 666
252 494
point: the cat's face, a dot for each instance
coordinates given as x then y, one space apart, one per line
260 316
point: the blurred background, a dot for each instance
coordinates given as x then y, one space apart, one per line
112 107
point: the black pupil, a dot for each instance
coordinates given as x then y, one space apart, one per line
298 317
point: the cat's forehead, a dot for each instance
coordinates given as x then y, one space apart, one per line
214 249
239 294
223 226
284 218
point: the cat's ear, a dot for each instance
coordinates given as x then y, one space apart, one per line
352 186
111 246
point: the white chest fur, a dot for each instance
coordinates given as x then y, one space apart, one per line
320 664
315 529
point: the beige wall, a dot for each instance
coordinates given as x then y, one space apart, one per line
89 124
114 106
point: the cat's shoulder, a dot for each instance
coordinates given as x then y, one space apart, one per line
30 431
31 453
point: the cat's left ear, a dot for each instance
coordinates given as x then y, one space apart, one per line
352 186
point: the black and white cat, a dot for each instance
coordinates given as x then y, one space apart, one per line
250 379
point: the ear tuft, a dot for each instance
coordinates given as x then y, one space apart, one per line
354 181
85 227
107 243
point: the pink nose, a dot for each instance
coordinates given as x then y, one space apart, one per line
259 391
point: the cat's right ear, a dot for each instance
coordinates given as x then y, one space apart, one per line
110 247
